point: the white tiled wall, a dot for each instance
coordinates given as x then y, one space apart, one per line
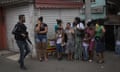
12 18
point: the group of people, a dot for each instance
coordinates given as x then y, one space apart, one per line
76 41
79 42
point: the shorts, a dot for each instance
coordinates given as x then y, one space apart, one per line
59 48
41 38
99 46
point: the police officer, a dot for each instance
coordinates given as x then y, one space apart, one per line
21 37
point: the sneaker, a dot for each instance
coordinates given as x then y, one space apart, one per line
41 59
90 61
101 61
46 59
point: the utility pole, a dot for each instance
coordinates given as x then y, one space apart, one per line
87 11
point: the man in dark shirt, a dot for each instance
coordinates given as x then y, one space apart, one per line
21 37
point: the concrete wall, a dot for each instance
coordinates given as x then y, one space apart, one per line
97 3
11 18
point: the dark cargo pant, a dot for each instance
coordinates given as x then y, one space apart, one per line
24 51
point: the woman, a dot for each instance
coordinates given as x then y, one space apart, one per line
79 32
41 30
91 31
100 30
70 41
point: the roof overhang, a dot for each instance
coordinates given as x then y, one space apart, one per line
14 2
57 4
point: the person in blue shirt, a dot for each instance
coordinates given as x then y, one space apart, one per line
58 25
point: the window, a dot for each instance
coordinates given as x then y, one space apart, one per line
92 1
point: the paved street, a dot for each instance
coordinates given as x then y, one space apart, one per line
112 64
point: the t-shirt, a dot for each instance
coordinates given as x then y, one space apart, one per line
69 34
79 30
85 44
59 39
42 28
99 31
56 27
91 32
81 26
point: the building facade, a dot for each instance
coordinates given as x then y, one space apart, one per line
51 10
98 9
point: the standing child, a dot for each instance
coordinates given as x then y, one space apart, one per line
85 46
59 39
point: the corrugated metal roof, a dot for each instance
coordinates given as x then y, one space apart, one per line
12 2
57 4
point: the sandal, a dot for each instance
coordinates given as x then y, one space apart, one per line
46 59
101 61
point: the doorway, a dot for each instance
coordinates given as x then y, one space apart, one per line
109 38
3 43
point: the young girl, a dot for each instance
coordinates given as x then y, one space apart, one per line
59 39
85 46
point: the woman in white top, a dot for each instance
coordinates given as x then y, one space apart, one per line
79 32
